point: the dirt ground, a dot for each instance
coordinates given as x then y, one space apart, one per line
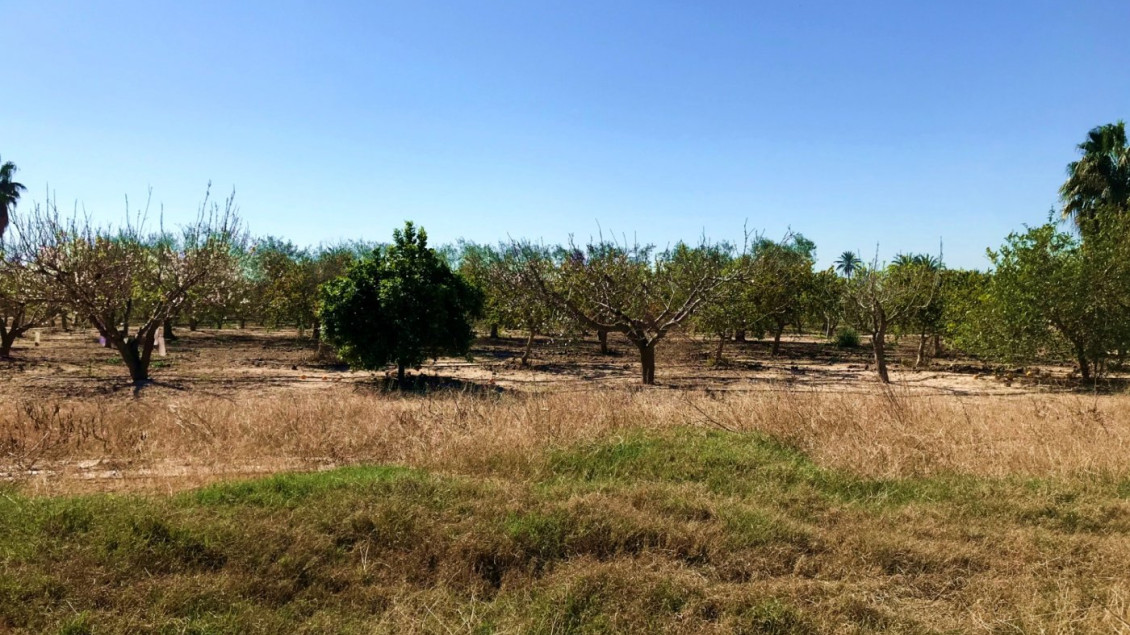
232 362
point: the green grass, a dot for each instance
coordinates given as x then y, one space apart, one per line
683 530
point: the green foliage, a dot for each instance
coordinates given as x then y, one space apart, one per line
778 282
766 290
847 338
962 293
1052 294
10 191
510 300
1098 184
848 263
283 281
401 304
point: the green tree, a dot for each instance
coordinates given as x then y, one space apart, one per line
848 263
777 282
475 263
10 192
277 287
963 292
1098 184
728 311
823 299
401 304
924 321
1052 293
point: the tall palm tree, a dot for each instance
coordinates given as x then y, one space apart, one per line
848 263
9 193
1098 184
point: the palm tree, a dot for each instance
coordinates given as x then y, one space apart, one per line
1098 184
9 193
926 261
848 263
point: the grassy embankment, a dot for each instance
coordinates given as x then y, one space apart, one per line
677 529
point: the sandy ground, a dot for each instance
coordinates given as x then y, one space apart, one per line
230 362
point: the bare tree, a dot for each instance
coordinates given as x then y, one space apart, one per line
111 277
878 298
24 302
629 290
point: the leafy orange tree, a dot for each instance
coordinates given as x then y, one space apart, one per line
401 304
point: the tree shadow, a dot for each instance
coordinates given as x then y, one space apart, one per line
428 385
139 387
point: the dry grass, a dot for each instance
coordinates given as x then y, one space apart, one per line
611 528
187 440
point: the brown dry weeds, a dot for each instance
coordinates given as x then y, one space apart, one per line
187 440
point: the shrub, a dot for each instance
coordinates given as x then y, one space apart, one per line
847 338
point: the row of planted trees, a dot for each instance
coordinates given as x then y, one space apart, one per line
718 291
1054 291
1050 295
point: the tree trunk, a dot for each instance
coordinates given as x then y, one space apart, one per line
135 352
777 339
220 323
400 375
878 345
739 335
647 362
529 347
66 322
922 339
603 337
718 350
167 331
317 330
242 323
1084 367
7 338
494 331
192 324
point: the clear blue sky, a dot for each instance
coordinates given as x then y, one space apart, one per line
855 123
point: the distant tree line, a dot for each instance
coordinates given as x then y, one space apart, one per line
1057 291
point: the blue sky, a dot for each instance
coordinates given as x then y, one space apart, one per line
856 123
